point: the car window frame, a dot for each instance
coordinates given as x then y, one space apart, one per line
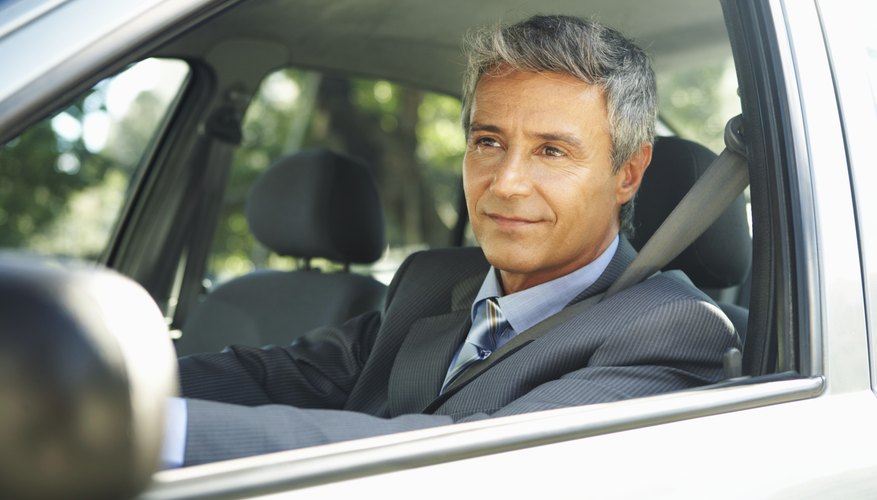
831 302
57 69
851 83
805 379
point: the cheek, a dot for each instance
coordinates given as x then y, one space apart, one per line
577 199
473 183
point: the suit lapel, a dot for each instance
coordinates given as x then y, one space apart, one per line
425 355
624 255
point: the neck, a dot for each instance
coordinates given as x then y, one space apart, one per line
512 281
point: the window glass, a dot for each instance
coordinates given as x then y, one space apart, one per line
65 179
411 139
696 101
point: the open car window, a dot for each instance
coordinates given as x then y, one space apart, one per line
697 98
67 178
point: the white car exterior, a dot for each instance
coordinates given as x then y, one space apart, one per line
809 435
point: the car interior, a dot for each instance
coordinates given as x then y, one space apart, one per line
719 262
236 58
310 204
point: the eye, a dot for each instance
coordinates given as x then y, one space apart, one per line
489 142
553 151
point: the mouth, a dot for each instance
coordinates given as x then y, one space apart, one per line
509 221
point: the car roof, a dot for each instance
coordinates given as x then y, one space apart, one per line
418 41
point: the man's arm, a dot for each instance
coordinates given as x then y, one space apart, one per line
220 431
317 371
675 346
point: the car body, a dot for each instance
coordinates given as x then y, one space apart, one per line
799 423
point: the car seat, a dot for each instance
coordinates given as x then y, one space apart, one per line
719 261
307 205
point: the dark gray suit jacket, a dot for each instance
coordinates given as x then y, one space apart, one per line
382 372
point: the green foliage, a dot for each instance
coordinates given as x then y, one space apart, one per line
696 102
42 171
411 139
57 196
60 194
32 192
270 129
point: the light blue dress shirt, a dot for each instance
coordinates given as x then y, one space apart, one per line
522 310
526 308
173 449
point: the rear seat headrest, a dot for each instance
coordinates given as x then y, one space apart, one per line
318 204
721 256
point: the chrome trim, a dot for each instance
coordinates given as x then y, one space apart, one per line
291 470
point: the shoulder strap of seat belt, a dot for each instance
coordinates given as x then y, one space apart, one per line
721 184
724 180
222 135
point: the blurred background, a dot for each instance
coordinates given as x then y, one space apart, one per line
64 182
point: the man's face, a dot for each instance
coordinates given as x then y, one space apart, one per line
537 173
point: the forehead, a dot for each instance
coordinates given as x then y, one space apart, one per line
537 97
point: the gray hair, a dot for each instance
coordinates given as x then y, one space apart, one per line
587 50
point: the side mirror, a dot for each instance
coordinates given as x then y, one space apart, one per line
86 367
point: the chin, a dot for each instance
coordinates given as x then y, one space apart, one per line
510 261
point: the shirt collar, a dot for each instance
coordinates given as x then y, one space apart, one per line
526 308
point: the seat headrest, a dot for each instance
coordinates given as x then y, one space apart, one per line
721 256
318 204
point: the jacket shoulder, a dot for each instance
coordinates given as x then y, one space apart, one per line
439 277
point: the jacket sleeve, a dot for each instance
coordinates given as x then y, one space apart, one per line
318 370
221 431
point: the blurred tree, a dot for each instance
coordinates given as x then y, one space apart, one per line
377 122
697 101
410 139
41 171
63 180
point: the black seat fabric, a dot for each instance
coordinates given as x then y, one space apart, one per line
311 204
722 256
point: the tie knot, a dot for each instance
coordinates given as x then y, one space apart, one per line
489 324
495 318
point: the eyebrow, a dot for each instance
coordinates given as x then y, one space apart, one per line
478 127
546 136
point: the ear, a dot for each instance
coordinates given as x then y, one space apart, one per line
630 176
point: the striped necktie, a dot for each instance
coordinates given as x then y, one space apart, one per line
488 325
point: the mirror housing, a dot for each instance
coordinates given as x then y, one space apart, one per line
86 368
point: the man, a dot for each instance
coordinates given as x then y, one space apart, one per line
559 115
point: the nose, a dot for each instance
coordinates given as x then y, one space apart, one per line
512 177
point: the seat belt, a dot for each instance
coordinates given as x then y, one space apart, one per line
724 180
222 135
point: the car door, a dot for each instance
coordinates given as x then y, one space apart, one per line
798 424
